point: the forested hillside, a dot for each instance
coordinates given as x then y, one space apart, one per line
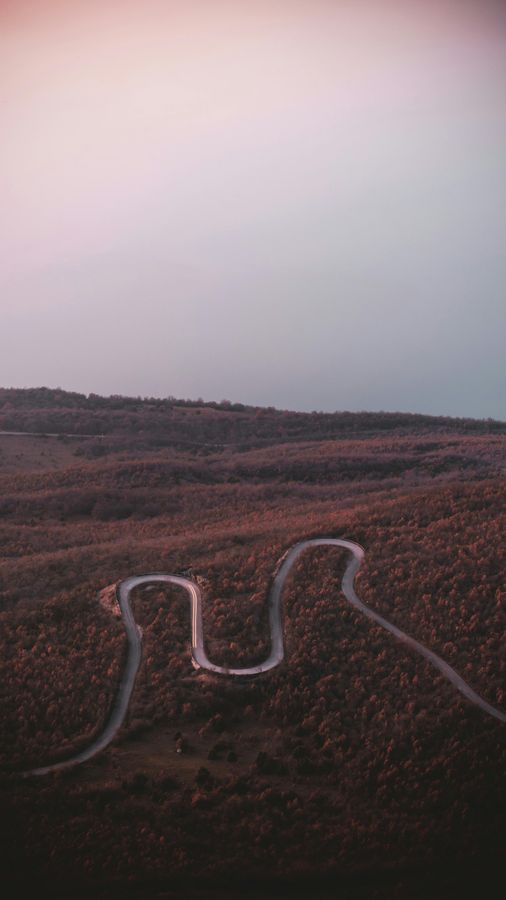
170 421
353 765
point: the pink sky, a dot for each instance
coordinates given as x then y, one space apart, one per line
310 195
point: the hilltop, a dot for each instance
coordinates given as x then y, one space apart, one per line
168 421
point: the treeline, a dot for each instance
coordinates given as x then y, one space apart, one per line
175 421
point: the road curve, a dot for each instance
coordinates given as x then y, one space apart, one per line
200 659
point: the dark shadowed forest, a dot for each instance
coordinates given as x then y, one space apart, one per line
353 769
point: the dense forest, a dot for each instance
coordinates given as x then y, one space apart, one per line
354 769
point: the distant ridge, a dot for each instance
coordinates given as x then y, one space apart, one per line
55 411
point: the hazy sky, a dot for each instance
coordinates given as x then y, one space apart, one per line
293 202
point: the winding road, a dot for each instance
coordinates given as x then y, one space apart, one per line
200 659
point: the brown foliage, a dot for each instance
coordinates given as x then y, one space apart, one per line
354 751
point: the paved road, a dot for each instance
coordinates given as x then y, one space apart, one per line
45 434
200 659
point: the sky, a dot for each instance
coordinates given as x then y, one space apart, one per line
298 203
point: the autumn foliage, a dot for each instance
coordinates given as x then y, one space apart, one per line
353 757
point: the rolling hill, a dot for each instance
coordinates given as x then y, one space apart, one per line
353 766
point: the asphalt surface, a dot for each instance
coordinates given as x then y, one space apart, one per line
200 659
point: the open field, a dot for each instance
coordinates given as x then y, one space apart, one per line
29 453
